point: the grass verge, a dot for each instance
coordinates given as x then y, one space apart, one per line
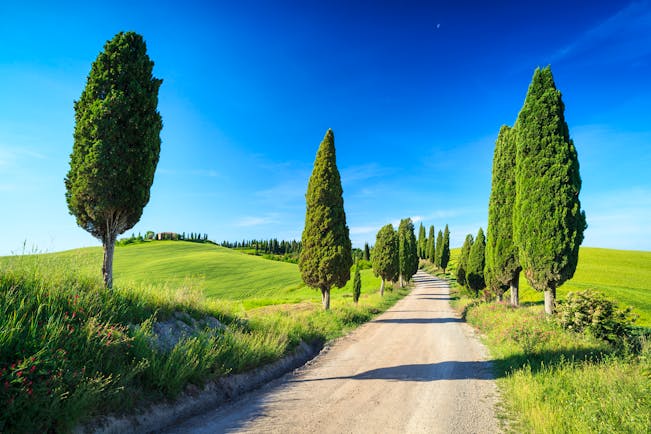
70 348
555 381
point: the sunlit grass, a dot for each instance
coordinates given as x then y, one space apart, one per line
70 348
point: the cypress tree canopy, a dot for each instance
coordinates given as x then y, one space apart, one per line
462 266
548 223
431 248
385 254
408 257
422 241
501 253
439 249
476 263
116 143
326 258
445 250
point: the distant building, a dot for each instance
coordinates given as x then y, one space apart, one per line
167 236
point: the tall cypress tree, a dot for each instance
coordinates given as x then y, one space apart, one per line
502 265
408 250
548 223
422 241
385 257
116 143
476 263
462 265
431 248
326 256
445 250
439 249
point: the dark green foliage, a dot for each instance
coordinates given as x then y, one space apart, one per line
367 252
476 262
592 312
548 223
422 242
408 256
326 256
445 250
116 143
439 249
431 247
502 265
462 265
385 254
357 285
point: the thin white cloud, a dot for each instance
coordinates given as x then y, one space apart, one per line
250 221
623 36
362 230
363 172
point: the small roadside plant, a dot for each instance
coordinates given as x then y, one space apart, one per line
357 285
590 311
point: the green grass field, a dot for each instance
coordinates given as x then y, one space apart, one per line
216 271
622 275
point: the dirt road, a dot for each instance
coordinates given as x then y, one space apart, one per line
415 369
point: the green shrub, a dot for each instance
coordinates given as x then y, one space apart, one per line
590 311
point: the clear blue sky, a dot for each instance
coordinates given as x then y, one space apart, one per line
414 91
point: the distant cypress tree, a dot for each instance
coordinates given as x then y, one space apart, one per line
548 223
476 262
385 258
408 257
431 248
367 252
502 265
439 249
462 266
326 256
357 285
445 250
422 241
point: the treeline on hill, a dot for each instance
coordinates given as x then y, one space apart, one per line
396 254
194 237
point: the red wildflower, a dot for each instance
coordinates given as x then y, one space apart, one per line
32 369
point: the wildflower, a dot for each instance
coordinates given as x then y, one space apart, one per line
29 391
32 369
6 385
19 374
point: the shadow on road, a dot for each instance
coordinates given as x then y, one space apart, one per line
452 370
418 320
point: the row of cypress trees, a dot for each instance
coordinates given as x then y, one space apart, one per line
435 250
535 221
395 254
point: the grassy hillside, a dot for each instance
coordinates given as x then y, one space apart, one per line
216 271
623 275
69 348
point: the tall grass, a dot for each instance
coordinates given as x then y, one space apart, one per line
70 349
553 380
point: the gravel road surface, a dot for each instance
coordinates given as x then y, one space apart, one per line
417 368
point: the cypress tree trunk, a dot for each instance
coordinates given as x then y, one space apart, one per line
107 264
550 300
515 289
325 298
382 288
